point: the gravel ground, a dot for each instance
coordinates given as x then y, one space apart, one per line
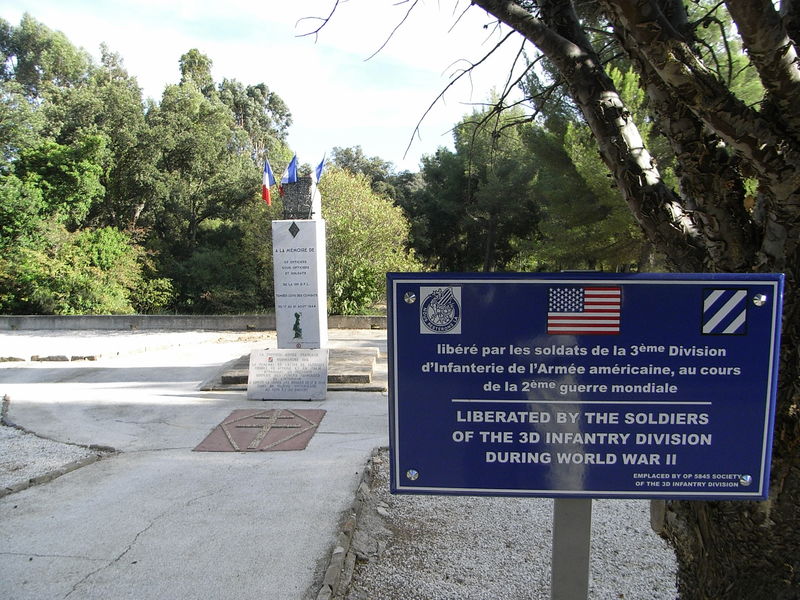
27 459
455 547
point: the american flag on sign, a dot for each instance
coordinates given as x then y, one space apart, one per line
584 310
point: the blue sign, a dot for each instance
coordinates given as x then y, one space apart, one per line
583 385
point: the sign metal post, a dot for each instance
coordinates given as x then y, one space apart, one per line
572 529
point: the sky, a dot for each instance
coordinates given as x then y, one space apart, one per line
337 94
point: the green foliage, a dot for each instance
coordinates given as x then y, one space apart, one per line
108 205
722 50
585 222
67 176
83 160
230 271
499 167
21 210
196 69
366 238
526 196
153 296
106 249
384 181
476 206
38 58
255 261
85 272
567 207
199 176
109 106
436 210
219 277
21 123
602 231
261 113
377 171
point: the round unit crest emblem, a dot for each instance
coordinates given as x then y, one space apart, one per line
441 311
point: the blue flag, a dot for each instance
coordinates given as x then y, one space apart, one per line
290 174
317 174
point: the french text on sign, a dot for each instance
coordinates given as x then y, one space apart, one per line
575 385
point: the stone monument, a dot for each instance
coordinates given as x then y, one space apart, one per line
299 267
301 303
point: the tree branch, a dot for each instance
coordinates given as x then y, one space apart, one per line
655 207
709 13
463 73
773 54
742 128
391 35
710 179
324 20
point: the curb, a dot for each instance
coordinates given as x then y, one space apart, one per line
173 322
50 476
340 566
100 452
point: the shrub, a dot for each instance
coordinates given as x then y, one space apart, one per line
367 236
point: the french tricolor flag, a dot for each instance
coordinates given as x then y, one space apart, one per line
316 174
267 182
289 175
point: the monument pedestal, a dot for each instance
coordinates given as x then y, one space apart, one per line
301 307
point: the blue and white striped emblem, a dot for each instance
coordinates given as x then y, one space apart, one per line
724 312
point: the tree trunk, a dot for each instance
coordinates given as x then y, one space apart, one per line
773 54
749 550
710 175
726 550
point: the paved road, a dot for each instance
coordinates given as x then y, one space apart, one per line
157 520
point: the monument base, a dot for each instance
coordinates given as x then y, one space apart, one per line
288 374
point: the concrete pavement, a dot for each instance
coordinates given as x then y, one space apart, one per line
157 520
